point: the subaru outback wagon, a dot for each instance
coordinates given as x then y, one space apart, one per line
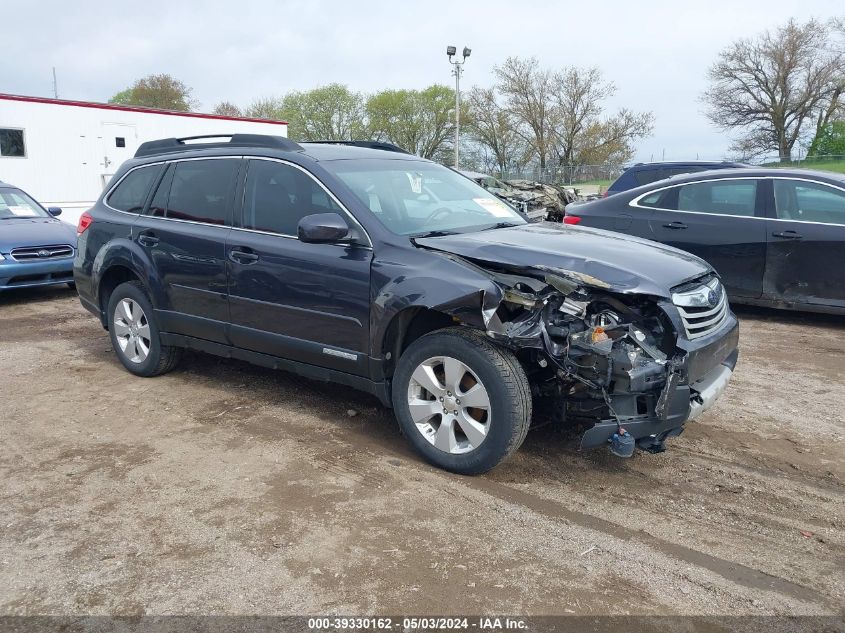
360 264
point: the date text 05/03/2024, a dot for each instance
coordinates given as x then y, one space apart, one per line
484 623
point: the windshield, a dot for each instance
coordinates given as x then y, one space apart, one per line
16 204
420 198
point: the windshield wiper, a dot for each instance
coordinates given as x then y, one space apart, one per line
500 225
437 233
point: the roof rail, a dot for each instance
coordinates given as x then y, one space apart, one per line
169 145
388 147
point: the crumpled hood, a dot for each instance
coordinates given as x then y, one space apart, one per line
17 232
621 263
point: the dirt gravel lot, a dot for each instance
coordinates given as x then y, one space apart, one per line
225 488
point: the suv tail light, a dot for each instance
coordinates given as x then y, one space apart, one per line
571 219
85 220
605 194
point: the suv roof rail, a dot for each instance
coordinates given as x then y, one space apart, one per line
169 145
388 147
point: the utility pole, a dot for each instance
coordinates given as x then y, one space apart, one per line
458 68
55 84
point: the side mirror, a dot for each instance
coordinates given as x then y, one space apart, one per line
324 228
54 211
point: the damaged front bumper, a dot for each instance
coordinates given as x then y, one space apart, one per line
684 402
608 362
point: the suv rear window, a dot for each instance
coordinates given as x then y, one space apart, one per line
197 190
131 194
646 176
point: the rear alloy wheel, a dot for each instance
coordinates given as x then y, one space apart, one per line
134 333
462 402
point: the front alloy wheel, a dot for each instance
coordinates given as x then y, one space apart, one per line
449 404
463 402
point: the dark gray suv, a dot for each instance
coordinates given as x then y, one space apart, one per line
379 270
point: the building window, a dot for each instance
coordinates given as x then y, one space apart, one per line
11 143
119 141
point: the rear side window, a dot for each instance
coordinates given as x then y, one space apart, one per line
131 194
651 200
277 196
199 190
722 197
809 202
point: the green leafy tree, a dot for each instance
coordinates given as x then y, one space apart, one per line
330 113
420 121
830 141
157 91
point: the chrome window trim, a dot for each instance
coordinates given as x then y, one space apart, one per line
111 188
161 162
634 202
342 206
368 245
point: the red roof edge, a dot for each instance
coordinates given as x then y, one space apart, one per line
127 108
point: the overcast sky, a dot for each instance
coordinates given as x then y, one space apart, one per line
657 53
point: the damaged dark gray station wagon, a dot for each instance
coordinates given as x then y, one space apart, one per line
363 265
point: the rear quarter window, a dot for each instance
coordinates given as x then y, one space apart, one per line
131 193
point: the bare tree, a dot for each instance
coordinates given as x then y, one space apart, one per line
578 96
528 91
492 126
227 108
771 88
611 140
266 108
157 91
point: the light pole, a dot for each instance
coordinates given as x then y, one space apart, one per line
456 71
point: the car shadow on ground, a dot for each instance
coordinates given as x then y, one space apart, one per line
18 296
788 317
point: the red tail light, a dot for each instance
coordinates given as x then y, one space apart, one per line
605 194
571 219
85 220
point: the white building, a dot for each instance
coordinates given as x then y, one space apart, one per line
64 152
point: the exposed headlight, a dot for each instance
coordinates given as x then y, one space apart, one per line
1 257
704 296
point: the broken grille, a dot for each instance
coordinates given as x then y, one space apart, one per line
40 253
701 321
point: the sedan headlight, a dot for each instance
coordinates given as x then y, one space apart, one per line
1 257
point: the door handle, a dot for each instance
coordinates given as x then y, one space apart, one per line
788 235
147 238
240 256
675 225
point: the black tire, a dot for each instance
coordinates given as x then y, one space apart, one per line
501 375
160 358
